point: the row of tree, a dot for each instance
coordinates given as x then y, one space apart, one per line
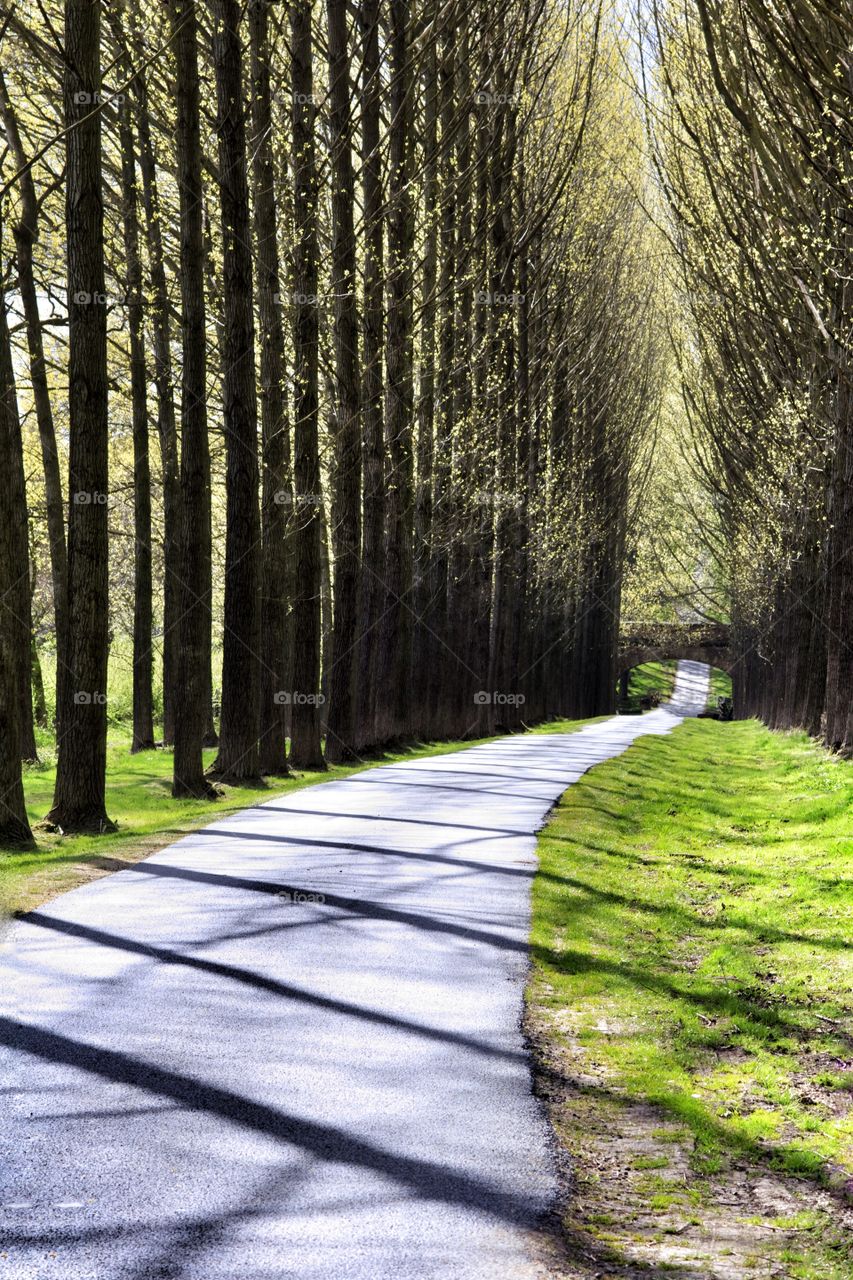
751 112
338 359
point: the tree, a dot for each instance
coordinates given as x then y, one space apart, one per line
346 523
238 758
79 802
192 704
306 752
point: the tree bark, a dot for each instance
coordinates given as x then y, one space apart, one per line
395 644
373 502
192 703
277 479
14 826
143 698
17 600
79 802
161 333
341 733
306 752
239 730
26 234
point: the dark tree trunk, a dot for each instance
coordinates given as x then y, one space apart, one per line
14 826
239 728
438 718
373 524
26 234
341 734
79 799
277 482
143 700
306 752
192 706
395 645
17 599
425 658
166 425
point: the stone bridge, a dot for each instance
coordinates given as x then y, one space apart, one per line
653 641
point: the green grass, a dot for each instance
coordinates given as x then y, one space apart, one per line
652 677
139 800
719 686
693 927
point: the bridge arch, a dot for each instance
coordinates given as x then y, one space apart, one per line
708 642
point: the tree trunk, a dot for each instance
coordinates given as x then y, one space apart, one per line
277 483
17 601
306 752
79 802
26 234
239 728
373 508
395 647
346 524
166 425
425 658
143 700
192 703
14 826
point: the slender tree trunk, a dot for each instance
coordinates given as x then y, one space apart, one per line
438 719
192 703
17 600
346 524
239 729
425 659
26 234
79 802
373 524
306 752
166 425
395 651
277 483
14 826
143 699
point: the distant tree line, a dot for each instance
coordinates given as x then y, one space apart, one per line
750 106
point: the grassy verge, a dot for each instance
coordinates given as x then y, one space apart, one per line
692 1006
652 677
719 686
139 800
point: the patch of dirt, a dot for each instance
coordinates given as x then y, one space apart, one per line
632 1204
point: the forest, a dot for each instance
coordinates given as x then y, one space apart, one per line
363 367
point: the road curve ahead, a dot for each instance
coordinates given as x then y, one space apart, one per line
289 1045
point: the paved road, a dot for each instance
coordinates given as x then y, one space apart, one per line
289 1044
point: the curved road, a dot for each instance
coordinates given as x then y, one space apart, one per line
289 1044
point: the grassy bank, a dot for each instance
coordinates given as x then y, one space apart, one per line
692 1004
140 802
651 678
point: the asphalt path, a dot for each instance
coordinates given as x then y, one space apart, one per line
290 1044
